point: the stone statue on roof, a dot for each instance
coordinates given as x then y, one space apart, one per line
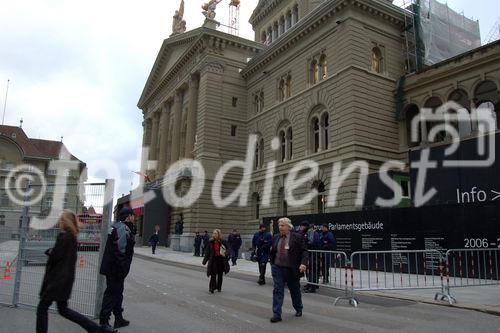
178 24
209 9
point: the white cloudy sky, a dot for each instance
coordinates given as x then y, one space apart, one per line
77 68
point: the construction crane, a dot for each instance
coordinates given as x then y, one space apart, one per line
234 17
494 33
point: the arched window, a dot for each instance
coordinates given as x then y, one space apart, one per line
282 146
434 103
263 37
321 198
269 39
261 99
289 144
315 131
295 14
325 127
288 20
376 60
490 108
256 104
314 72
281 90
275 30
323 66
282 25
288 86
282 204
485 92
462 120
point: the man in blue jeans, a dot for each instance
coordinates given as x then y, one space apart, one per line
289 261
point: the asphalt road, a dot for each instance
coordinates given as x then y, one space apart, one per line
175 298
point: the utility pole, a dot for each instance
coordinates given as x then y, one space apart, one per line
5 102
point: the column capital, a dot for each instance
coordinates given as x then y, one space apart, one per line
194 81
178 95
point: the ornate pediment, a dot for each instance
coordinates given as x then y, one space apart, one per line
171 51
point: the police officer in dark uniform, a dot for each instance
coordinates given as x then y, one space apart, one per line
115 265
313 243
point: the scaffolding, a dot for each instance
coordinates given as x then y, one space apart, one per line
434 32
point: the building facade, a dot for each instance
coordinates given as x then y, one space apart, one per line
321 82
23 158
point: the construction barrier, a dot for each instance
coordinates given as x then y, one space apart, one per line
332 266
396 270
469 268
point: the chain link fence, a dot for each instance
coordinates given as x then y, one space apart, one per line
22 247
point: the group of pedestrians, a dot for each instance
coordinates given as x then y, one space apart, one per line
60 273
233 241
200 243
287 252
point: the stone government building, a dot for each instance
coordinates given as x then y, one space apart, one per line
322 77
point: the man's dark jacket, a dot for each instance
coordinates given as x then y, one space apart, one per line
297 252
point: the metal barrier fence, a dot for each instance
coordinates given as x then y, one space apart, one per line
331 265
470 268
396 270
93 205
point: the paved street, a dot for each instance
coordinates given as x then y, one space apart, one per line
163 297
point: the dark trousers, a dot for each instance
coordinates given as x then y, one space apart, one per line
42 317
113 298
217 274
197 250
314 268
326 263
153 247
262 271
282 275
234 255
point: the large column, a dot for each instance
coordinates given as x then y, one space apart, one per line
191 117
147 132
144 137
154 142
164 126
176 135
154 136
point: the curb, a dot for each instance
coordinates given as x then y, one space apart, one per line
485 309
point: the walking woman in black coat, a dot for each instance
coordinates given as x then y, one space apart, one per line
59 277
216 254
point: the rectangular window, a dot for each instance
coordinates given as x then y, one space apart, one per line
235 102
405 196
233 130
405 189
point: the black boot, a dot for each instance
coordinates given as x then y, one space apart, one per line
120 321
105 328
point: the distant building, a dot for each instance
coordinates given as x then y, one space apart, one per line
17 149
